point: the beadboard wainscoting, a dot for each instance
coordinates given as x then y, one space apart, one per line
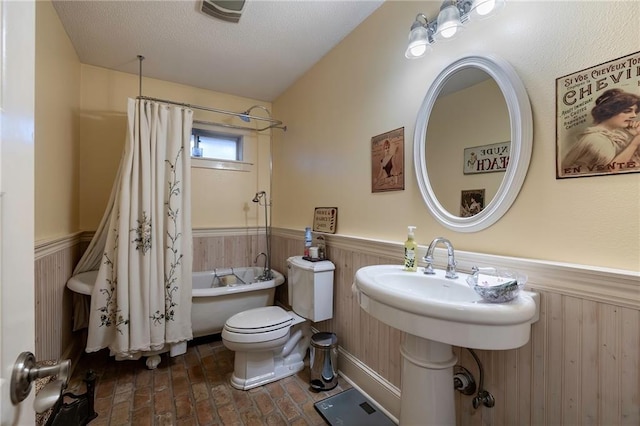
581 366
54 263
227 248
56 258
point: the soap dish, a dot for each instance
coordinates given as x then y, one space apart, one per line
496 285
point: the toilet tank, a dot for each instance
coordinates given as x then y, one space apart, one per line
311 288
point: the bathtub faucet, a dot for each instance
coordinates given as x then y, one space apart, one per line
266 273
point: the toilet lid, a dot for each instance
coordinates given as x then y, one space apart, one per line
259 320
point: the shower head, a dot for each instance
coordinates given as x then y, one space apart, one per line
244 116
258 196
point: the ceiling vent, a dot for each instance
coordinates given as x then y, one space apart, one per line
226 10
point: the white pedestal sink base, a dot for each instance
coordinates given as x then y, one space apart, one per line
436 312
427 394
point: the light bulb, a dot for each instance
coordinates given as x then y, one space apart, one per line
448 20
418 50
448 32
483 9
486 7
418 42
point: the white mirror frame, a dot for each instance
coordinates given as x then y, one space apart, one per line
521 143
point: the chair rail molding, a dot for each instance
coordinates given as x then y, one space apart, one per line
607 285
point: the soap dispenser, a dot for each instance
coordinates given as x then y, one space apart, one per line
307 241
410 248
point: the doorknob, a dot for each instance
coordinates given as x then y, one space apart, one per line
25 372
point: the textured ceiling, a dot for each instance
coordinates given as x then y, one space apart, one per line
274 43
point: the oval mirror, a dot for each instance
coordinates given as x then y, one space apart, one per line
472 142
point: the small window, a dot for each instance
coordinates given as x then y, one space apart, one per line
210 144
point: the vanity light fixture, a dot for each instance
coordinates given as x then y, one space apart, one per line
453 15
449 19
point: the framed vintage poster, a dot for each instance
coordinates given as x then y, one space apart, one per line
598 120
325 219
471 202
387 161
486 158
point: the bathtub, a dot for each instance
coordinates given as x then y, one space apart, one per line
219 294
216 296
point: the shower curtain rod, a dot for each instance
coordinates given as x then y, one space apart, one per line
272 123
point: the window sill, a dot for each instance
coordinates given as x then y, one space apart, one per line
213 163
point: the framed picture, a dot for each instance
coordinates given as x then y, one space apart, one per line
596 126
471 202
387 161
486 158
325 219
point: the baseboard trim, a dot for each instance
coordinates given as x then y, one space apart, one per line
384 395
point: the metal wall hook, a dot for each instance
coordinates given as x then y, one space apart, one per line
25 372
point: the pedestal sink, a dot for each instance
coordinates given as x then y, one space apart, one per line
435 313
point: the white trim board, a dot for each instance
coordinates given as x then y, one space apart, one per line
606 285
384 395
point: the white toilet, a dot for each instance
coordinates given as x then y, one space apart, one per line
271 343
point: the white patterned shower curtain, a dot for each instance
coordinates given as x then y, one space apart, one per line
141 301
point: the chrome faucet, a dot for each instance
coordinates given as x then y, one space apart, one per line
451 260
266 273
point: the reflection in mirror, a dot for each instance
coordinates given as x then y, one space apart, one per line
457 115
470 112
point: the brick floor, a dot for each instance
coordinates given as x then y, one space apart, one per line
193 389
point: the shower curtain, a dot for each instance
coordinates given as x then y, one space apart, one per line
141 301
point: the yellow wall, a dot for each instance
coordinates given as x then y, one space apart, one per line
365 87
220 198
57 100
362 88
80 130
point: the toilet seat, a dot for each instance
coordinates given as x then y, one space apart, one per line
259 320
257 325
